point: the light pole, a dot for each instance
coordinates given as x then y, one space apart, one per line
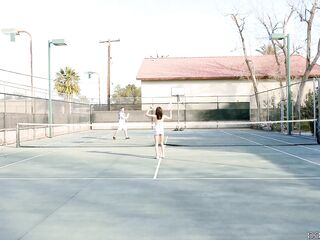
282 36
13 33
109 62
89 75
55 42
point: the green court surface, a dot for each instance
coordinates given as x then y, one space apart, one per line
212 184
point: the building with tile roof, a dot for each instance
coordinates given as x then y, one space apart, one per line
220 88
215 76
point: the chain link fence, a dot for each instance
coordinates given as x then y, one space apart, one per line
274 105
25 109
19 108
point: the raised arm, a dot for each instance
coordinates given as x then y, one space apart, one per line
170 115
148 113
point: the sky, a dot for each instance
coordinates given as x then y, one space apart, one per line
174 28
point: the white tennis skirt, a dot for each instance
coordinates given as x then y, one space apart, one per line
122 125
158 130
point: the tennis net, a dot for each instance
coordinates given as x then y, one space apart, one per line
29 132
229 133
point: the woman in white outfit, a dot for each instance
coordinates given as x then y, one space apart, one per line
159 117
122 123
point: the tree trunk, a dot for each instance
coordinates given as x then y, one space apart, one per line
309 64
305 78
240 26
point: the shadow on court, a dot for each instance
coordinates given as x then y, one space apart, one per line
258 188
123 154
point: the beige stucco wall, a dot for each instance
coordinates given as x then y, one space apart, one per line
216 91
201 90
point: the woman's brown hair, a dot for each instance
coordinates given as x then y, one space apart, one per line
159 113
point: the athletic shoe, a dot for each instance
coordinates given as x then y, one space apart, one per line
127 138
114 138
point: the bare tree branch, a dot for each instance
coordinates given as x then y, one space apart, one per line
296 50
240 23
271 28
309 20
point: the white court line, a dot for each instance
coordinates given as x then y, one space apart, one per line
240 178
166 140
278 140
164 178
24 160
75 178
157 169
277 150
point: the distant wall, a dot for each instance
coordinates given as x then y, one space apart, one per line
231 112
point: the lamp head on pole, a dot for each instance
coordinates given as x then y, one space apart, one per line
12 32
110 41
58 42
90 73
277 36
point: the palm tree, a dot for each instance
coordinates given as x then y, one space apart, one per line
67 83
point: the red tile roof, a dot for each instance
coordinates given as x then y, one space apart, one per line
218 68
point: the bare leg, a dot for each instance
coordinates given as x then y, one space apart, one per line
156 142
161 137
115 134
126 133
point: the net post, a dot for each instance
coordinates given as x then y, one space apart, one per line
17 136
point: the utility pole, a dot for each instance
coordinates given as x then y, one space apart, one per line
109 63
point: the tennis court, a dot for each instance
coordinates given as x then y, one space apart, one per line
212 184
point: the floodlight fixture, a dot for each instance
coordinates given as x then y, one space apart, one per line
58 42
55 42
283 36
13 33
277 36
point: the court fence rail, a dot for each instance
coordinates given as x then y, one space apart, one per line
188 112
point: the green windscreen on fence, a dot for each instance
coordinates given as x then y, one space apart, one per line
235 111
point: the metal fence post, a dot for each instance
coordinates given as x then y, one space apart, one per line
319 100
314 109
282 109
268 117
185 112
318 121
4 119
17 136
90 115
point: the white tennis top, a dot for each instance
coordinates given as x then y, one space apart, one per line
122 117
158 127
